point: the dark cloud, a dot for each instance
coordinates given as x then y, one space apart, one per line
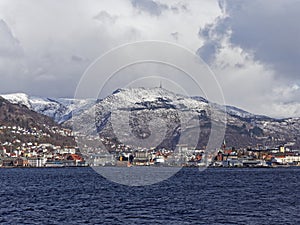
38 74
208 51
149 6
9 45
213 34
11 59
254 46
274 34
268 29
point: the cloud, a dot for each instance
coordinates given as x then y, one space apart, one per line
254 55
252 46
105 17
266 29
214 34
69 35
45 78
175 35
11 59
149 6
9 45
77 58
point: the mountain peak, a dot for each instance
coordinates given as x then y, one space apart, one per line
143 92
18 98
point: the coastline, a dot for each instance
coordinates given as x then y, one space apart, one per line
209 167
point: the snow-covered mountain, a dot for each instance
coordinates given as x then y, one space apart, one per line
142 104
20 125
139 106
60 109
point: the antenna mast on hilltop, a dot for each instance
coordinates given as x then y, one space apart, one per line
160 85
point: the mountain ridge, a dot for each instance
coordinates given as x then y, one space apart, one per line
59 109
32 103
243 128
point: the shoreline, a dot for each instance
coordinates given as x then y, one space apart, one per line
198 167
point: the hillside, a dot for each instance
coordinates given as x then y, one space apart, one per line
59 109
19 124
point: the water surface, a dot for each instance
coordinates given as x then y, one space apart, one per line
215 196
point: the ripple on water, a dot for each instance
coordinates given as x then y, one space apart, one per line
215 196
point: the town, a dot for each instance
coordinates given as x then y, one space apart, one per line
184 155
33 154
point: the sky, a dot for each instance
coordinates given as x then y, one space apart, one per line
252 47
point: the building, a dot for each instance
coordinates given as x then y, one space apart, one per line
142 158
103 160
36 162
6 162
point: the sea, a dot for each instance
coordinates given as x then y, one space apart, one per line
213 196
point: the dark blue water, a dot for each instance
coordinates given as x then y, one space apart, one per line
215 196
